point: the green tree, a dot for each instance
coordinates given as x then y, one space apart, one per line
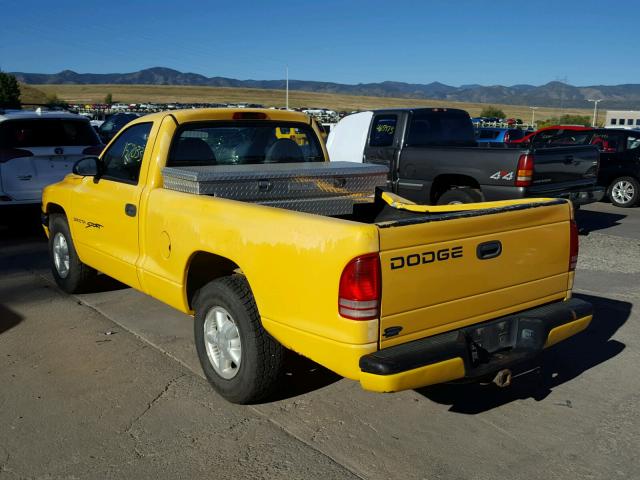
9 91
491 111
54 102
584 120
108 99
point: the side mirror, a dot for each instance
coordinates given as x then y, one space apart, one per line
87 167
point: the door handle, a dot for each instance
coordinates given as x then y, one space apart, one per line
568 159
488 250
130 209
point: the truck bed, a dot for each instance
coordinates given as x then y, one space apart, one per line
319 187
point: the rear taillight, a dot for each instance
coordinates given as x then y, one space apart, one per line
7 154
359 294
524 176
94 150
573 245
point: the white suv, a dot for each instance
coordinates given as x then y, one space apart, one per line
38 149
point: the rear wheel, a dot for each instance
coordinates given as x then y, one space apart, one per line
624 192
69 272
460 195
239 358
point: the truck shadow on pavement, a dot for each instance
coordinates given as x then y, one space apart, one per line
591 221
104 283
8 318
559 364
301 376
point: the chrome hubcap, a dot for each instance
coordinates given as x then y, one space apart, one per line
623 191
222 340
61 255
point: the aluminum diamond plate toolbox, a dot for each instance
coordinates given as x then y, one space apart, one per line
329 188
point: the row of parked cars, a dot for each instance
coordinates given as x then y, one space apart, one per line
39 148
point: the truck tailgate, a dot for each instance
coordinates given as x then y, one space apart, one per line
559 167
445 271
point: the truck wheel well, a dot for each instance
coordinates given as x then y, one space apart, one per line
443 183
55 208
205 267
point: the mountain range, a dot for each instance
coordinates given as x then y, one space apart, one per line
553 94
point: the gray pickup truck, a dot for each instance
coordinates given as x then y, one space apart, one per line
433 158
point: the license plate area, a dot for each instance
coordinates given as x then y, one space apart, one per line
512 334
494 336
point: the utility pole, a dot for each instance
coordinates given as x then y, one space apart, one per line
595 109
533 116
287 87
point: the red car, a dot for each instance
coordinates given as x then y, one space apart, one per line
549 134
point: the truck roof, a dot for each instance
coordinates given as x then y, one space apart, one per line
421 109
33 114
203 114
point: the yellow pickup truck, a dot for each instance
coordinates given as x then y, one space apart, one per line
388 293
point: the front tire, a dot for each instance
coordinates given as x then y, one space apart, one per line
624 192
240 359
456 196
68 271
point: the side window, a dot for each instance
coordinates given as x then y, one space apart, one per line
383 130
546 136
633 142
123 159
614 121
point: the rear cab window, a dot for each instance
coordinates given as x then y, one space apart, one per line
47 132
441 127
227 143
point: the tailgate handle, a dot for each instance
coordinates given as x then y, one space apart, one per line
488 250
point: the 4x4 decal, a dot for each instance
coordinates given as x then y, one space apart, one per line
502 175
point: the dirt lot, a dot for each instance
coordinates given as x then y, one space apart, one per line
107 385
169 94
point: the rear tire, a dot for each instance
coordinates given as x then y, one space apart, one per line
240 359
624 192
460 195
69 272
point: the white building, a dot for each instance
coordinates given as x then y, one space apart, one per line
622 119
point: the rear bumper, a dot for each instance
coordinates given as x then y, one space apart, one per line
584 196
580 195
476 352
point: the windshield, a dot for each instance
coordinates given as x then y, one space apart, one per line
224 143
50 132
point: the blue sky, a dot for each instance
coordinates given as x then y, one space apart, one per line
455 42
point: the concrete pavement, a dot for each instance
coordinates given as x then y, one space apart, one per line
134 403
